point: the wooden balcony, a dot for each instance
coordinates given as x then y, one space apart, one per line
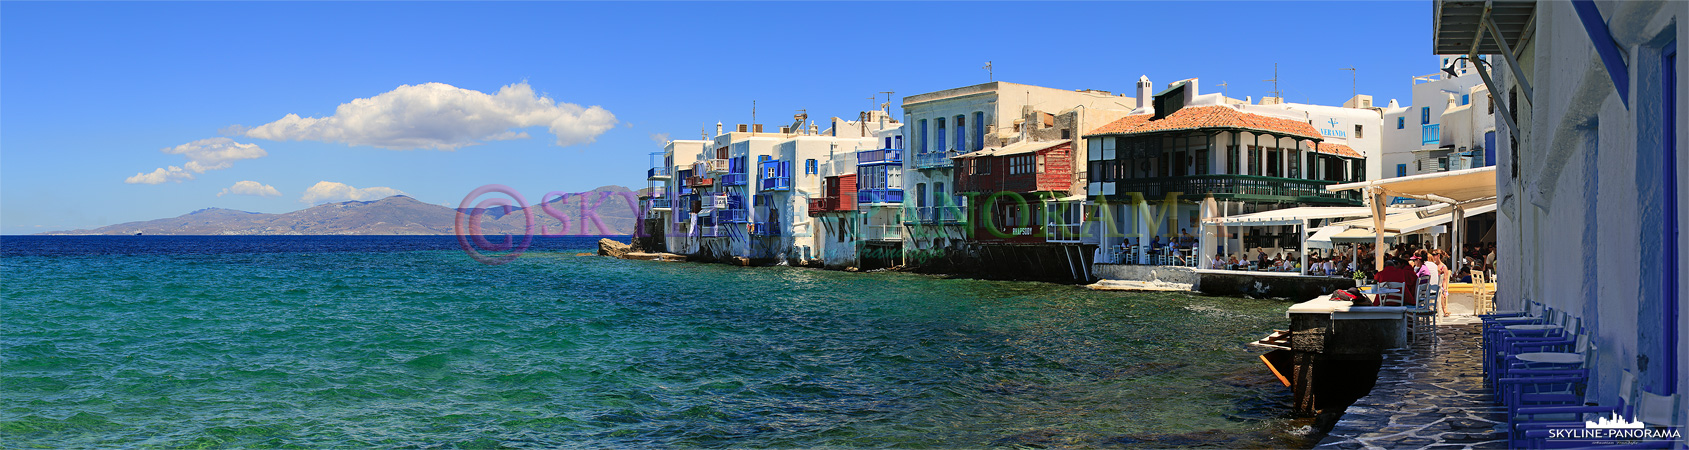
1239 187
822 205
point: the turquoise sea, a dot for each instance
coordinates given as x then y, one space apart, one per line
336 342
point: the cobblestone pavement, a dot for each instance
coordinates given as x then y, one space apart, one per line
1431 395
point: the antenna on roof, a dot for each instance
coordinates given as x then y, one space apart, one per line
1222 88
1276 92
989 75
753 112
888 100
1354 86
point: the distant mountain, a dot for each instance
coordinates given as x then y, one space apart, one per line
396 215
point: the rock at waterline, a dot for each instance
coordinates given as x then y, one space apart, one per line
611 248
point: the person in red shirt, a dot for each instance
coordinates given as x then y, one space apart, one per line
1395 272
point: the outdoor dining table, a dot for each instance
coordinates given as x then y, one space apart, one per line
1550 357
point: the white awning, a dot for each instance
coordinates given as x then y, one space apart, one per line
1428 222
1459 186
1290 216
1322 237
1408 222
1360 236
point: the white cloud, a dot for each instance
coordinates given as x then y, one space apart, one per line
204 154
329 191
443 117
250 188
660 138
161 175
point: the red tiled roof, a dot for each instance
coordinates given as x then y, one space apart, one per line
1199 117
1337 149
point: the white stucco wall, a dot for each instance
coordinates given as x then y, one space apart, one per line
1578 229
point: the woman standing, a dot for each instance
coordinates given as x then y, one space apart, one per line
1441 258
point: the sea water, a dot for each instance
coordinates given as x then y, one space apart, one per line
155 341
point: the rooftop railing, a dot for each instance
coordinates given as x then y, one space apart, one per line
879 156
657 173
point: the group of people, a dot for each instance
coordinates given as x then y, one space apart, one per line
1428 266
1171 246
1279 262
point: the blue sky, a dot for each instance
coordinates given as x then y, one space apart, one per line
91 94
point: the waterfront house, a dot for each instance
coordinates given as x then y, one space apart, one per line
804 167
670 175
1187 156
879 200
1590 173
943 126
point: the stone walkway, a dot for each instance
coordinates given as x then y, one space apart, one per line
1431 395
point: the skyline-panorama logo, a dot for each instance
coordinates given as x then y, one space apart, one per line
1615 422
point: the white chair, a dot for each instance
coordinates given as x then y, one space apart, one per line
1391 293
1423 315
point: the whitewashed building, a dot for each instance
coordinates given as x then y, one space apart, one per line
1449 125
943 126
1591 175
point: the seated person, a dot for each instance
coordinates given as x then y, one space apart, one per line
1396 271
1219 262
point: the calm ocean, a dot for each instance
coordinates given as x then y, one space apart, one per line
155 341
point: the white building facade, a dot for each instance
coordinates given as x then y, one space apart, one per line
1591 176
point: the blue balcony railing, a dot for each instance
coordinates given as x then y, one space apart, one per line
765 229
872 196
732 216
660 203
735 179
1431 134
657 172
879 156
933 159
777 184
938 214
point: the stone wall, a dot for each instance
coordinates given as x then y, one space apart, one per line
1167 274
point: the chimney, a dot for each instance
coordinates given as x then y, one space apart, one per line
1190 91
1144 91
718 128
